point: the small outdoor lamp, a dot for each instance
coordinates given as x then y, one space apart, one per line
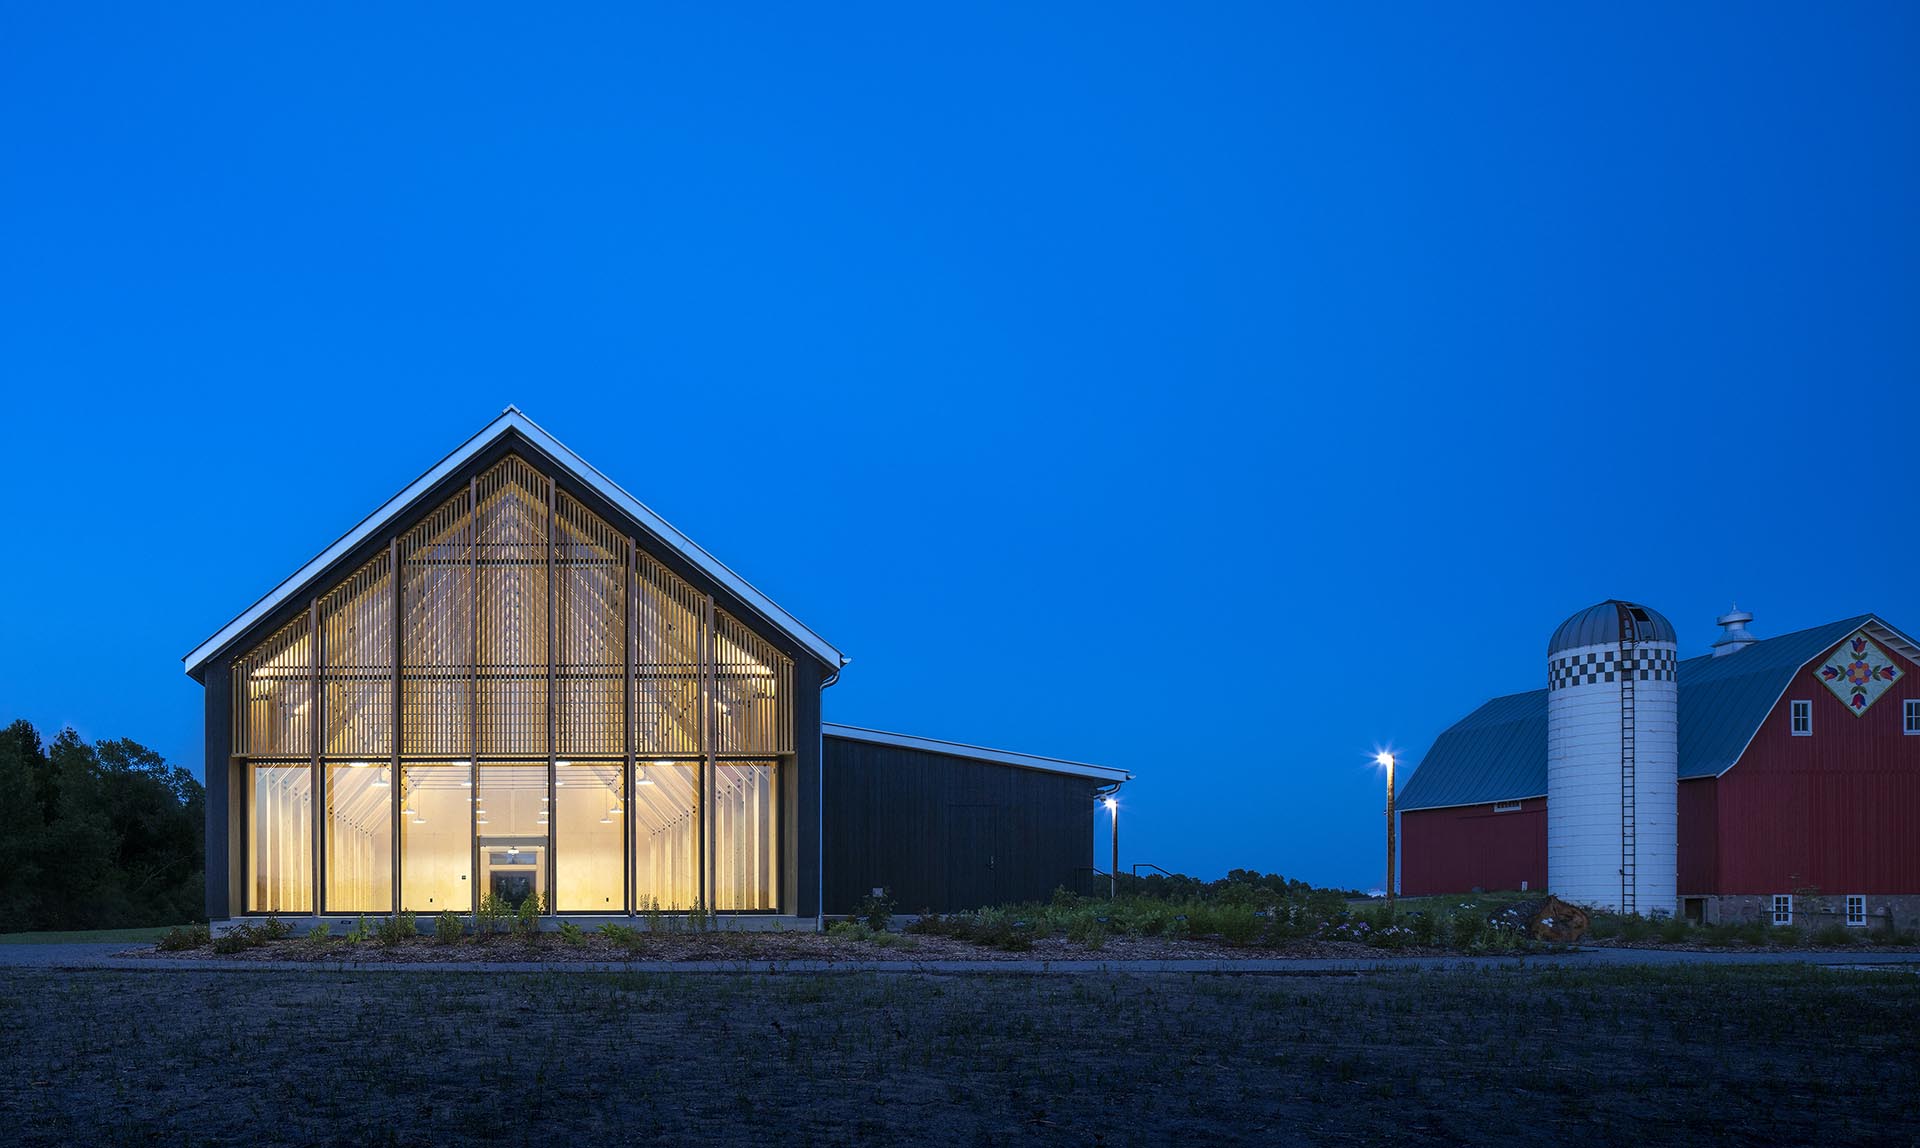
1385 758
1113 877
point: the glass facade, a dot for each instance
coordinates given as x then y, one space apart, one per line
280 838
593 686
666 828
589 833
744 838
359 842
436 837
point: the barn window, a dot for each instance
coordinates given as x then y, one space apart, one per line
1856 910
1913 715
1783 908
1802 719
1506 807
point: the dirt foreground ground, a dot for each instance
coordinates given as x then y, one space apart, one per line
1730 1055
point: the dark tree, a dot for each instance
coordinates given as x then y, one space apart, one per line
96 836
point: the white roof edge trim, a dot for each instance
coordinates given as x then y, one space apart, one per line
513 420
1470 804
961 749
1886 633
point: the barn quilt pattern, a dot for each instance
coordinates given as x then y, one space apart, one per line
1859 672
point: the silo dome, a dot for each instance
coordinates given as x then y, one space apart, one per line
1602 623
1613 759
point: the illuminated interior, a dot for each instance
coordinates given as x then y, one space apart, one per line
630 733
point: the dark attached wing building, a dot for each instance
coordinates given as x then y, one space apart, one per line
514 679
1798 780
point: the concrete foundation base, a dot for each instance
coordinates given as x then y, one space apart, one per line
1885 912
340 925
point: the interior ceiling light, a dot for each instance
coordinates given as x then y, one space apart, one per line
381 782
357 765
643 779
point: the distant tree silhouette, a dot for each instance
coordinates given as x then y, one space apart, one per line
96 836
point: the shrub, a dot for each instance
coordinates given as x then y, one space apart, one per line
850 931
448 928
491 917
397 929
1085 929
320 934
238 940
184 937
625 936
1837 935
571 933
361 931
1675 930
876 910
526 920
274 929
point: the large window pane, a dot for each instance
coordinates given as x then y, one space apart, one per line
666 825
436 838
510 815
743 837
359 838
589 838
280 838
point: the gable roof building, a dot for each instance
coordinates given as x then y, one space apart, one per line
1786 778
516 680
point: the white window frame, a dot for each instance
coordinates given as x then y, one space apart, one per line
1783 908
1911 712
1856 910
1508 806
1800 718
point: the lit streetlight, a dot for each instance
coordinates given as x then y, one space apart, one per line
1113 877
1386 759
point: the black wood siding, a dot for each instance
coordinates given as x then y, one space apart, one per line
948 833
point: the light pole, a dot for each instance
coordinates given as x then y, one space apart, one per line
1386 759
1113 877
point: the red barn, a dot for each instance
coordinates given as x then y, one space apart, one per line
1799 784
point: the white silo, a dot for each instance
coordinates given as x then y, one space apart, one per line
1613 759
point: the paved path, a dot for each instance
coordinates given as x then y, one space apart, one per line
101 956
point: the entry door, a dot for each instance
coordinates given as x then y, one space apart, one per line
976 861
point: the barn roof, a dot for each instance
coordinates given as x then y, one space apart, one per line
1499 751
513 422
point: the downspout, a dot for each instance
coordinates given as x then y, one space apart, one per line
820 810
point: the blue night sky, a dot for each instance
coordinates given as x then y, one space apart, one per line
1214 392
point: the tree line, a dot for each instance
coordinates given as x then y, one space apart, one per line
97 836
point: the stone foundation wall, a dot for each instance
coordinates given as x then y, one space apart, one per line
1897 911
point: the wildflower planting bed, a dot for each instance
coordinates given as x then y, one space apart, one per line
1727 1055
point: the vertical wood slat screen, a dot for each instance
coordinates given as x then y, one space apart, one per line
436 657
752 687
590 647
356 619
273 694
512 592
666 662
512 650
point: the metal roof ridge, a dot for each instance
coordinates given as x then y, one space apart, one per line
513 419
1006 756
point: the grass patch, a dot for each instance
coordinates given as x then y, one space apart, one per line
86 936
1604 1056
